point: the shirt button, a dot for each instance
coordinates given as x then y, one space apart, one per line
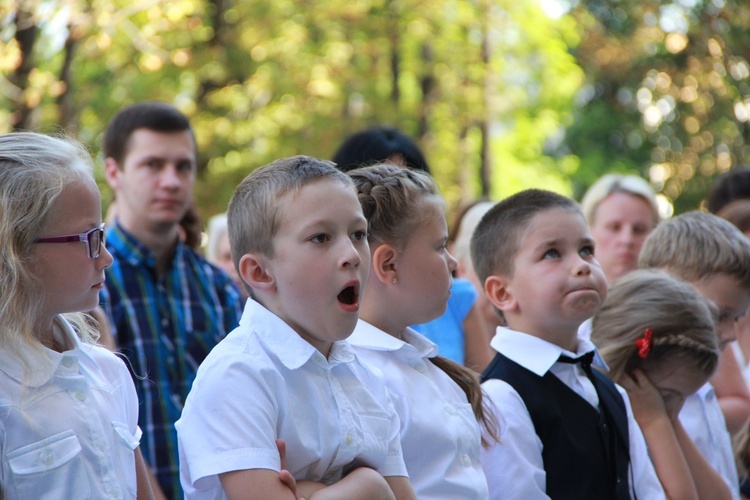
81 396
450 410
349 439
68 362
319 358
419 368
46 458
465 460
164 322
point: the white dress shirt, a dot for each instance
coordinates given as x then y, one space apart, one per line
704 422
514 467
440 436
264 382
69 426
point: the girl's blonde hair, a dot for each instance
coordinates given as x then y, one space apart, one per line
680 319
391 199
34 169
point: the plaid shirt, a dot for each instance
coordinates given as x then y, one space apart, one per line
165 326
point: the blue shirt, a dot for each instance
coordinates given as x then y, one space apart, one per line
447 331
165 326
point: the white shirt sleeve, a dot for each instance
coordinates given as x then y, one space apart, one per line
229 423
514 467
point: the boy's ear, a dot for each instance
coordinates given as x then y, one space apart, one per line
496 288
253 269
383 259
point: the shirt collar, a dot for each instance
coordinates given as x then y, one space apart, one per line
371 337
535 354
43 361
285 343
127 247
120 242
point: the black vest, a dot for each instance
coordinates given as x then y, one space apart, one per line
585 452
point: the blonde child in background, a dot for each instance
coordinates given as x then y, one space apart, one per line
68 407
566 431
438 400
299 240
218 251
713 256
656 335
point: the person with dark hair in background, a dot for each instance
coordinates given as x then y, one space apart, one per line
732 185
168 305
461 332
379 144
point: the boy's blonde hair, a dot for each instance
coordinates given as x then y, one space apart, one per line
391 199
680 319
253 216
618 183
498 235
34 169
697 245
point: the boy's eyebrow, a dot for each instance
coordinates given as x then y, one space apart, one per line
585 240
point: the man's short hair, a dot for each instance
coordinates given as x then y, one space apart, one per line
697 245
150 115
498 235
253 215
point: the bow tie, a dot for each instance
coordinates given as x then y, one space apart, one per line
584 359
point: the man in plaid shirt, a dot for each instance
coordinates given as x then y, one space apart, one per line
168 306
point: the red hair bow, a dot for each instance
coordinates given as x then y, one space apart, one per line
645 343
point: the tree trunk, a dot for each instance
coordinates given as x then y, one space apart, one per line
27 33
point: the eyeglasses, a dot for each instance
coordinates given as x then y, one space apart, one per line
93 239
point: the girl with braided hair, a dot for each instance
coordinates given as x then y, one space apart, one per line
656 334
438 401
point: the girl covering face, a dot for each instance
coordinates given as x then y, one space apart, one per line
657 336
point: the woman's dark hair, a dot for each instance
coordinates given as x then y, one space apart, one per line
379 144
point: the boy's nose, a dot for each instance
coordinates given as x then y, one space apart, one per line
351 256
582 268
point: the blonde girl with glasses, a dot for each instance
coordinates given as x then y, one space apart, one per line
68 407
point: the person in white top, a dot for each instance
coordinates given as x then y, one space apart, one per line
713 256
299 241
656 334
410 282
68 408
565 429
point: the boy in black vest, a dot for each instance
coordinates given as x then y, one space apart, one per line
566 430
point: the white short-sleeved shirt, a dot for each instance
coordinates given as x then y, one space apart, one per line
514 466
704 422
440 436
70 431
264 382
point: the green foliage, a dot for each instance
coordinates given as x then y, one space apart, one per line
263 79
666 93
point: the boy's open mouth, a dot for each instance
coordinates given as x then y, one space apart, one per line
349 295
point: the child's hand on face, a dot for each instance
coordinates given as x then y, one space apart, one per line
645 399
